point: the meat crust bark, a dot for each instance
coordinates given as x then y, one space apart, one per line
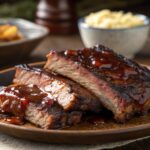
68 94
121 85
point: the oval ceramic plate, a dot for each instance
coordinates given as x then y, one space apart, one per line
81 134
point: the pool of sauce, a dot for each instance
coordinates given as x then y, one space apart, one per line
125 76
16 98
91 122
101 123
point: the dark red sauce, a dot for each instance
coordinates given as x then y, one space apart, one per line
125 76
96 120
103 61
14 120
9 118
16 98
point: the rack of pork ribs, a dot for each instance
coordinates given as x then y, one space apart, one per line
74 82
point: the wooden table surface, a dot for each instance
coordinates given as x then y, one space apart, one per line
68 41
74 42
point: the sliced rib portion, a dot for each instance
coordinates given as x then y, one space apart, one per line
68 94
121 85
31 104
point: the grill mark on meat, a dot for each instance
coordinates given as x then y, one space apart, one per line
65 91
121 85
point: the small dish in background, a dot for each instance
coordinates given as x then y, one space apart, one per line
32 34
126 41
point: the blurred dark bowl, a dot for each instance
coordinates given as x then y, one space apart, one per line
16 50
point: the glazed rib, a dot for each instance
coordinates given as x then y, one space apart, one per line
121 85
31 104
68 94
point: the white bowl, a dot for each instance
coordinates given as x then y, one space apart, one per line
127 41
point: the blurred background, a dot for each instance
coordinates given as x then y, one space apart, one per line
60 18
26 8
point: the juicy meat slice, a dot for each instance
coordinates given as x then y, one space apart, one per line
52 118
28 102
68 94
121 85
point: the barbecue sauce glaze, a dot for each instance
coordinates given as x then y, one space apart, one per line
16 98
125 76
